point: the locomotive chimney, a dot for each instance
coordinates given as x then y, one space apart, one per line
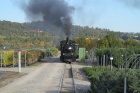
67 40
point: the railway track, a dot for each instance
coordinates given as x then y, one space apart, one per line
67 82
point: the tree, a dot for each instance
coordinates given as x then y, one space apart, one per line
104 43
88 43
111 39
81 41
120 43
131 43
42 44
1 41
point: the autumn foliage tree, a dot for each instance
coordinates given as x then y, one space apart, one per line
42 44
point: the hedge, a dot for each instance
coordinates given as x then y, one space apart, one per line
106 81
10 56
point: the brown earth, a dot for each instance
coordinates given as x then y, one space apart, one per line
8 77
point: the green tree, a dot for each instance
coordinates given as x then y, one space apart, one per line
111 39
81 41
104 43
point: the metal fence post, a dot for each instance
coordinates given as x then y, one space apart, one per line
19 61
13 59
1 59
25 59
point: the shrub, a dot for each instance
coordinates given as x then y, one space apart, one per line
52 51
10 56
106 81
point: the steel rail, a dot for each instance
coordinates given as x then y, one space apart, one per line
61 80
73 80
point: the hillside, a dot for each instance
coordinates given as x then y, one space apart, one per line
78 31
41 34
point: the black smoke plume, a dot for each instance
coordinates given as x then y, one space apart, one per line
132 3
55 12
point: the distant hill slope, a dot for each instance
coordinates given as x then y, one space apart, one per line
43 34
78 31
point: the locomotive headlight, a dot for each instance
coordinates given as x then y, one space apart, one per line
70 48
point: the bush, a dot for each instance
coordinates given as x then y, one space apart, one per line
112 81
7 58
10 56
52 51
119 55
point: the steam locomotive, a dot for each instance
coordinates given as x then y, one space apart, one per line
69 50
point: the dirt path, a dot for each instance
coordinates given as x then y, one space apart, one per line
41 79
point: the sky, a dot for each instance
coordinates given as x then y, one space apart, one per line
116 15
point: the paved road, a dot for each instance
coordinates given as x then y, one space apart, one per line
39 79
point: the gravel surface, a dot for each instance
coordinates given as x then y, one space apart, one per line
79 74
81 80
44 78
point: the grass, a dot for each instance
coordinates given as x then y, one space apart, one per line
35 64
